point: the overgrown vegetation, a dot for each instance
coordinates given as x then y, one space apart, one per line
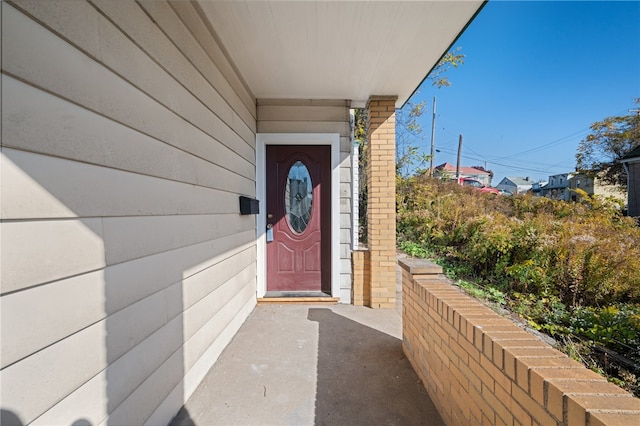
571 270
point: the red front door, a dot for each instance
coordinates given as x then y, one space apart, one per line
298 218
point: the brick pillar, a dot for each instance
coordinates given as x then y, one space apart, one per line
361 287
381 202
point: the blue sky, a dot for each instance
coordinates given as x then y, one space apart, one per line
536 76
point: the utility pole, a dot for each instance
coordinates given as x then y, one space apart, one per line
458 162
433 137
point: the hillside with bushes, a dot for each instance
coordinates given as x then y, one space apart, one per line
571 270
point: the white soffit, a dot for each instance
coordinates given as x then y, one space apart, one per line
336 49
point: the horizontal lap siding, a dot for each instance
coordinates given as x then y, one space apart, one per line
126 268
319 116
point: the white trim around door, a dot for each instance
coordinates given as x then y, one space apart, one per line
264 139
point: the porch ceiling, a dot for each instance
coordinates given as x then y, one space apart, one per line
336 49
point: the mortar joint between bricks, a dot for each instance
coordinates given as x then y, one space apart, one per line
545 395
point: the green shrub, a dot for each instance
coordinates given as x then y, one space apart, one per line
571 270
584 253
615 327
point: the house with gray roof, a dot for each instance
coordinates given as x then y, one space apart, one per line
515 185
558 186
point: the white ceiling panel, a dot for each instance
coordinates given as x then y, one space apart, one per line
336 49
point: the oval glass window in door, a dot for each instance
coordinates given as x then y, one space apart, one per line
298 197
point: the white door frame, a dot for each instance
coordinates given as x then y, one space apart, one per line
264 139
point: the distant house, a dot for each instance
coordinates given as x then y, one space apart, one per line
558 186
448 171
631 163
593 186
539 188
515 185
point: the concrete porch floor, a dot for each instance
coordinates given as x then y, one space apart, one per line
313 365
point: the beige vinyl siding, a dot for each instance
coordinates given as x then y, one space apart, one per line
319 116
125 265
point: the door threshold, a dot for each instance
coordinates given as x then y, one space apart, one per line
297 297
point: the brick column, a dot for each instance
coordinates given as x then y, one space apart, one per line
361 287
381 204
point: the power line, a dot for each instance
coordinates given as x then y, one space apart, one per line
479 155
558 141
542 147
511 166
497 160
